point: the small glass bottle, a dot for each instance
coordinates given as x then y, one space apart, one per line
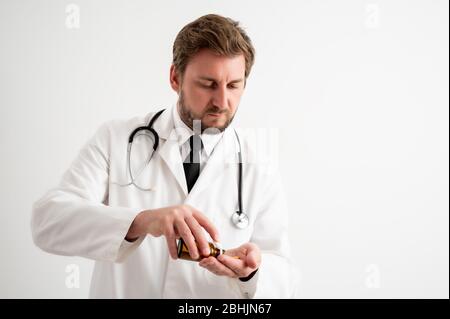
183 251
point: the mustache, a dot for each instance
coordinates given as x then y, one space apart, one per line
215 110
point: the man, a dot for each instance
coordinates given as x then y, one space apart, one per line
132 231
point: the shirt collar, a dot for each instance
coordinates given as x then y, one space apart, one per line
183 132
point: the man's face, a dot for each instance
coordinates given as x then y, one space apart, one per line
210 90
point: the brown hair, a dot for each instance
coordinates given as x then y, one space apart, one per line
220 34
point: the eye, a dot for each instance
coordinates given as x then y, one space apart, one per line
208 85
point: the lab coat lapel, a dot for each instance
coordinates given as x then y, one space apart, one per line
221 160
169 148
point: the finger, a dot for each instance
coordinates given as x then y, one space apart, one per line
207 225
214 266
197 231
186 234
171 242
252 259
238 266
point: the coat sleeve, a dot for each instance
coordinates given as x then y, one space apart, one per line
73 219
277 277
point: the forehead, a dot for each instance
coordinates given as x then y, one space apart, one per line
208 63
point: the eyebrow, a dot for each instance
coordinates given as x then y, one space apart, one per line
205 78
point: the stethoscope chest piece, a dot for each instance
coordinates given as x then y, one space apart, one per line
240 220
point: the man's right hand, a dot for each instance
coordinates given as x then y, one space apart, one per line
174 222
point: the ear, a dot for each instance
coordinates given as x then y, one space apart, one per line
174 79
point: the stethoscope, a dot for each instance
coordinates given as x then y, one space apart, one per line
239 218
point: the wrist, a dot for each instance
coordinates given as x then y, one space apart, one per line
136 230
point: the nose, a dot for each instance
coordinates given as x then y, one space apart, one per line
220 98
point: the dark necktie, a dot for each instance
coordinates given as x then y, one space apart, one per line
191 163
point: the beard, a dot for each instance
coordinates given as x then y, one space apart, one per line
189 117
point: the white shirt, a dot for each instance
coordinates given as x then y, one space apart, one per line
209 141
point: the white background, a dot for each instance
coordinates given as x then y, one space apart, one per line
357 89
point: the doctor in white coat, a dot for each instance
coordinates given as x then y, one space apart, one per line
131 231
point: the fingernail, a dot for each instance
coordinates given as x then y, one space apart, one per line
205 251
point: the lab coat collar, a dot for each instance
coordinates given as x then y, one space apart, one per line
168 149
164 124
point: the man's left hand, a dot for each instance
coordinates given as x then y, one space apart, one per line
238 262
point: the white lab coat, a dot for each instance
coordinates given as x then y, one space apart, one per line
88 215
